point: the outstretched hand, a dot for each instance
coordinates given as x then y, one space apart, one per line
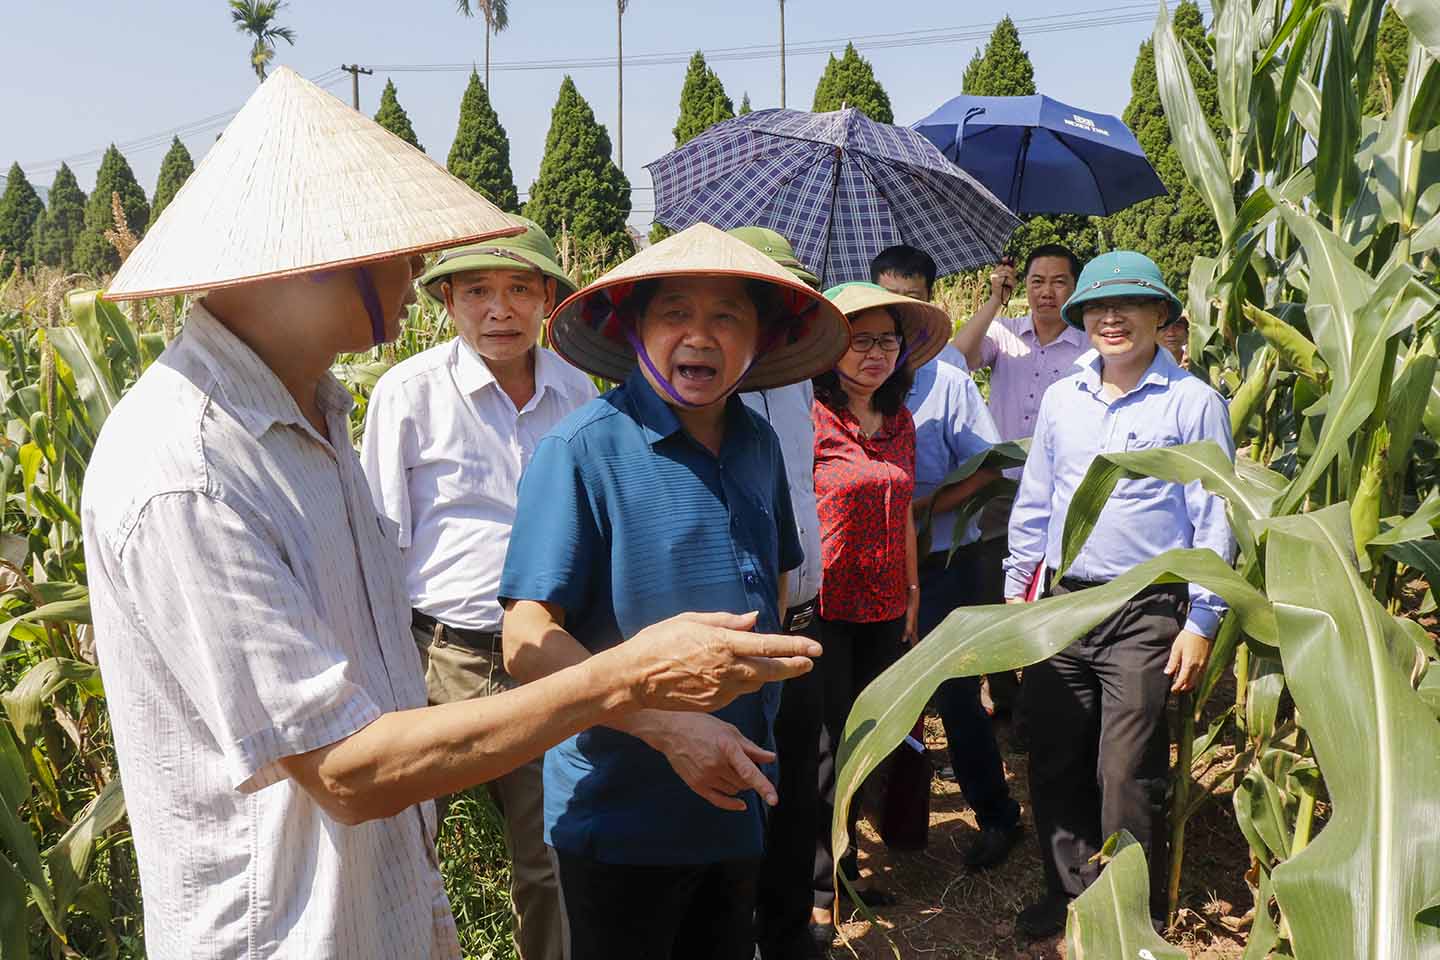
702 661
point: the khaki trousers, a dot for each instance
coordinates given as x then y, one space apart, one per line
457 672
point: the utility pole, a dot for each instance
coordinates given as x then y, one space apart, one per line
782 54
620 6
355 70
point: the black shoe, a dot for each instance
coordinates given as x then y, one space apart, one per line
992 847
1044 917
873 897
821 937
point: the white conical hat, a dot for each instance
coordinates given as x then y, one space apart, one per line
300 182
588 329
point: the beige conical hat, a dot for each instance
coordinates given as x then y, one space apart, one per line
588 329
300 182
927 328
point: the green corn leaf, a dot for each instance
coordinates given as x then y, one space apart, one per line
69 858
1422 17
23 702
1425 107
1299 11
988 639
1419 525
18 848
1363 27
1111 918
14 919
1249 489
1264 931
97 319
1427 237
91 373
1202 322
1295 349
1263 815
1359 886
1408 397
1199 153
1262 700
93 900
1336 176
1294 98
1234 56
14 781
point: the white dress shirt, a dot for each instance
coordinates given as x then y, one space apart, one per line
443 451
788 411
248 607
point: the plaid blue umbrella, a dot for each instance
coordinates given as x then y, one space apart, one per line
1043 156
839 186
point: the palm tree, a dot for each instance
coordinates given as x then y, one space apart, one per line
782 54
256 17
620 6
497 18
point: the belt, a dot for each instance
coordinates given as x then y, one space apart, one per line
799 617
481 641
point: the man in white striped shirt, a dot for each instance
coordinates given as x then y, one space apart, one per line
251 621
448 433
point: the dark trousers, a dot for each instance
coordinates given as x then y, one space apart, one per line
855 654
969 731
782 910
1099 745
640 912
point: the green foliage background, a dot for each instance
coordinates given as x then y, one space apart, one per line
850 81
93 253
174 170
392 116
60 228
20 210
579 189
480 154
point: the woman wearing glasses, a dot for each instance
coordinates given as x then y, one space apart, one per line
864 480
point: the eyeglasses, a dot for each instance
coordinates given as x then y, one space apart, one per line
865 342
1124 306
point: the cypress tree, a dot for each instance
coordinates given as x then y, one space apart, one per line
703 102
1003 69
1173 229
20 210
579 187
1392 59
850 81
93 253
744 105
57 231
392 116
175 169
480 154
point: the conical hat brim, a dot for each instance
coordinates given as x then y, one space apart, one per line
701 250
927 327
299 182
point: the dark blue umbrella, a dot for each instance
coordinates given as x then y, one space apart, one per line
839 186
1042 156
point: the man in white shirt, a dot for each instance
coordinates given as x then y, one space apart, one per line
448 434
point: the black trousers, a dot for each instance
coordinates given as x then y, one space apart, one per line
632 912
969 731
1094 717
782 910
855 654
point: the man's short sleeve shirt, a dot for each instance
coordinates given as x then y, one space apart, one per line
624 520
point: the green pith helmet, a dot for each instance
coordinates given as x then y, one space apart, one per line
531 250
777 248
1120 273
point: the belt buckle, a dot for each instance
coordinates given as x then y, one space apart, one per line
801 617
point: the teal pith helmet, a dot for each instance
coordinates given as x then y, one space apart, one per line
1120 273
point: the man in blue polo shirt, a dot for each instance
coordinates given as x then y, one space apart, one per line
665 495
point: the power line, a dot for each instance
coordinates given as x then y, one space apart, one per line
1028 26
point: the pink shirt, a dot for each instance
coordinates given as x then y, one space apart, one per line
1021 370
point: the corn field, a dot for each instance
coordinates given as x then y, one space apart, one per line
1317 319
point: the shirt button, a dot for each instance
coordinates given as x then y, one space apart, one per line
750 579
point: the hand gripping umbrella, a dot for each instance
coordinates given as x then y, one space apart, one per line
839 186
1042 156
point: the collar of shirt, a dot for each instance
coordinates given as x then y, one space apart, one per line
659 421
1025 328
1161 373
473 374
256 395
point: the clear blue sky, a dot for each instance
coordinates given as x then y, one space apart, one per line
81 75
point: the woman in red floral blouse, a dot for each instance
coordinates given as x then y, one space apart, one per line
864 480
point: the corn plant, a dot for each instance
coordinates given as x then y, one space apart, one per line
1317 318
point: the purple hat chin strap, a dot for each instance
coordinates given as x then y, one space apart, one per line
665 384
371 298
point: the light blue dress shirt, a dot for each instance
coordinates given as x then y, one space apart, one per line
1144 517
952 424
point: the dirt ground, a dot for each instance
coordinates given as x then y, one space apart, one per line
945 913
